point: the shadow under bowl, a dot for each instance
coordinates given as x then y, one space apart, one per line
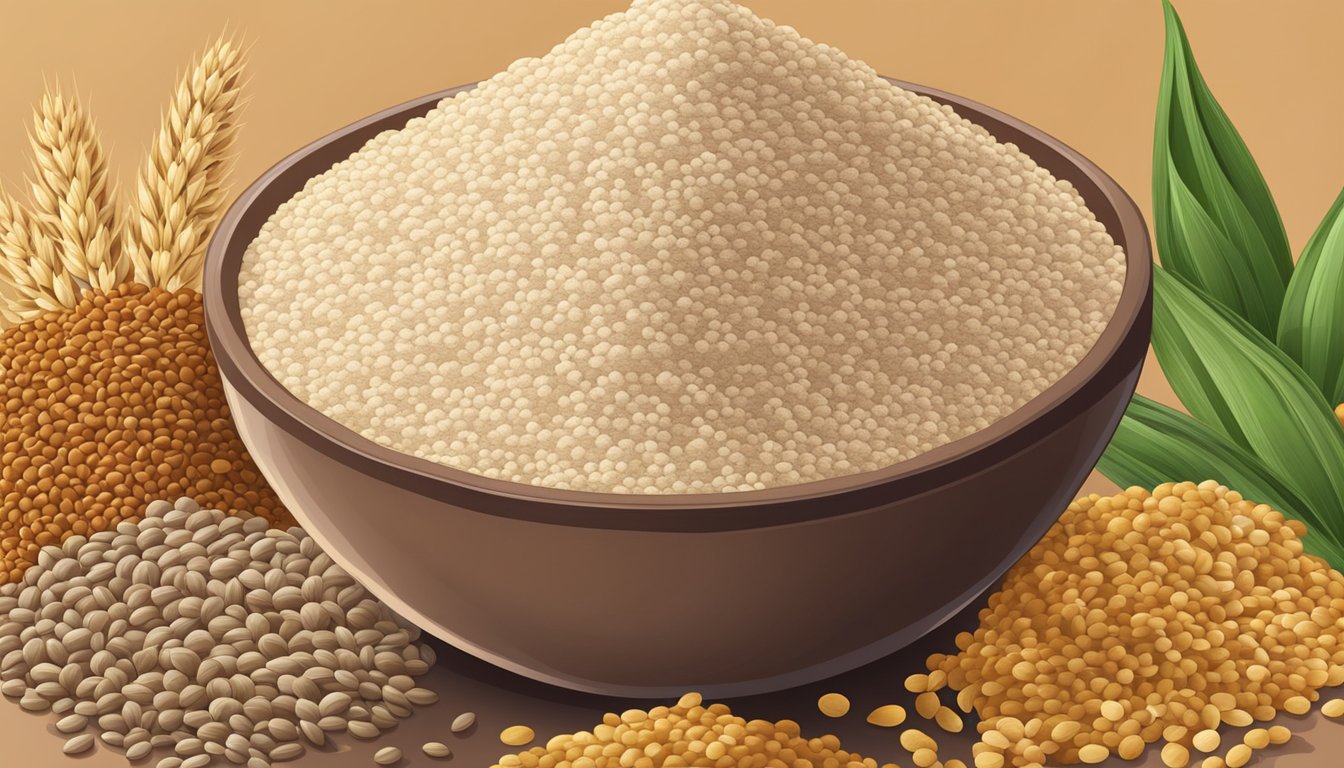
650 596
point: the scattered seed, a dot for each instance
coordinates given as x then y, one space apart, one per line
913 739
463 721
1238 756
387 756
517 735
1175 755
1207 740
1093 754
948 720
833 704
927 704
1333 708
78 744
887 715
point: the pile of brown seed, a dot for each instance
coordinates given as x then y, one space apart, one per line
108 406
208 633
1146 617
687 734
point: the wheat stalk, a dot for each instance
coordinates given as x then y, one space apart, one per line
179 194
31 265
73 200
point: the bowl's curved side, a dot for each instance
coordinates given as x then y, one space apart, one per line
654 614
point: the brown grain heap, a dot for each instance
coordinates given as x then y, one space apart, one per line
108 406
687 733
1146 617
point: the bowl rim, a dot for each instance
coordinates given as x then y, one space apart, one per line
1111 357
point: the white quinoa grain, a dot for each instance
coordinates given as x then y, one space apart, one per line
688 250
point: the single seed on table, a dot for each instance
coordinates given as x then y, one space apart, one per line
72 723
1175 755
924 758
387 756
78 744
1207 740
1279 734
1297 705
833 704
1256 738
1093 754
927 704
1333 708
887 715
462 722
948 720
517 735
436 749
1238 756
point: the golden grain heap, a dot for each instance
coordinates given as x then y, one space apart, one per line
111 395
1147 617
687 733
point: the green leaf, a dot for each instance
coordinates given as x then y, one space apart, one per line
1155 444
1311 327
1216 224
1239 384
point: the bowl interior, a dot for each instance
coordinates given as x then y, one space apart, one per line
1082 385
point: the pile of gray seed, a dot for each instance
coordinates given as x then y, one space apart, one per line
225 640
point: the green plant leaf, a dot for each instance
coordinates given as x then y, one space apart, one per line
1155 444
1238 383
1215 222
1311 326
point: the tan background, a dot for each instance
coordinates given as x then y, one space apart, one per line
1084 70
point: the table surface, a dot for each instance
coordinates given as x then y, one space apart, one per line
501 699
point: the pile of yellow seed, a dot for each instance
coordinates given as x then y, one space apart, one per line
1147 617
687 734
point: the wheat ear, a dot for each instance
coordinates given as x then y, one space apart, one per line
31 265
179 193
73 199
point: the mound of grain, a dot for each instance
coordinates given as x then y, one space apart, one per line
226 640
108 406
687 734
1144 617
688 250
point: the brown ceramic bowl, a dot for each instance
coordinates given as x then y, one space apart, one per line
643 596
